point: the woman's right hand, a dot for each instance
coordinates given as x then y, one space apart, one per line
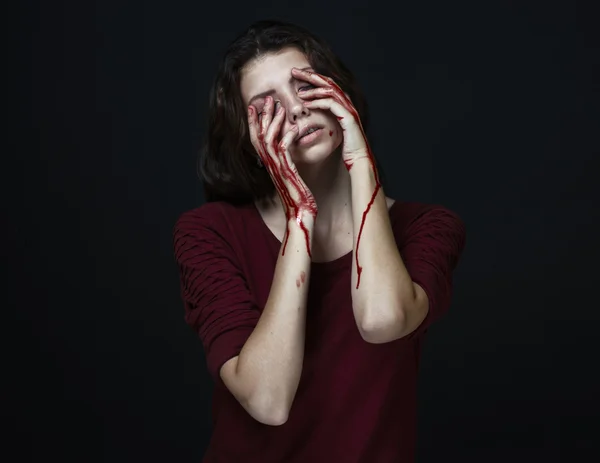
298 202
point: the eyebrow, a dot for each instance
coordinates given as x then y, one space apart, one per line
271 91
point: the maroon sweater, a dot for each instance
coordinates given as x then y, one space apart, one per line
356 402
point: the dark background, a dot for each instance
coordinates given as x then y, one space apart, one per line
489 108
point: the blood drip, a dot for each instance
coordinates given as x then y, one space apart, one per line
341 97
285 170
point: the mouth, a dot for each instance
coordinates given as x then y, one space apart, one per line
308 130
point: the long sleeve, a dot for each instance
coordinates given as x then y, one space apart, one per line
430 248
218 304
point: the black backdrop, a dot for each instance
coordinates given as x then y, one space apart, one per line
489 108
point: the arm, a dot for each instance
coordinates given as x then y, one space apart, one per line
256 354
401 294
265 376
384 299
387 304
268 370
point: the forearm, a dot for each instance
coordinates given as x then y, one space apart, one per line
385 287
271 359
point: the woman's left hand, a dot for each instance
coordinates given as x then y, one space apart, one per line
328 95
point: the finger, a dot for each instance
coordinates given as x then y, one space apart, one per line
344 116
280 168
267 115
253 126
286 159
286 142
287 166
324 82
319 92
312 77
275 127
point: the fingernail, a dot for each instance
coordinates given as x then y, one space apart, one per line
250 111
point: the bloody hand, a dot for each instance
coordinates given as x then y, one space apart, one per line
328 95
298 202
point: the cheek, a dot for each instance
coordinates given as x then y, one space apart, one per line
334 130
336 133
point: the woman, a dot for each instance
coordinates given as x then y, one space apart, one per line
309 288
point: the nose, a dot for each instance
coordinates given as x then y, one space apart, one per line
297 110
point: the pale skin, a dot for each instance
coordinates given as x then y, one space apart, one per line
325 187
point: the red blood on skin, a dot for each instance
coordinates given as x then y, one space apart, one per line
285 171
341 97
293 210
300 280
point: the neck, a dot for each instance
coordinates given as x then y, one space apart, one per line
329 183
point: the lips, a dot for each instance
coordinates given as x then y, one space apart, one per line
306 129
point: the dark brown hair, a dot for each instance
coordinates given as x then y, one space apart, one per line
228 161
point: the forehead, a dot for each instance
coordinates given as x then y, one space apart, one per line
270 71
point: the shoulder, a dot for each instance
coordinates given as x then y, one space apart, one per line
210 226
215 216
210 231
410 217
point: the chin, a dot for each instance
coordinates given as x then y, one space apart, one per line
312 157
314 154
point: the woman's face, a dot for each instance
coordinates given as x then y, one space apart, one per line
271 74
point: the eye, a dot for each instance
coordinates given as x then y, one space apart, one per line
306 87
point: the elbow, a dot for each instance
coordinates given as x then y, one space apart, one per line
272 418
383 330
267 412
276 419
264 407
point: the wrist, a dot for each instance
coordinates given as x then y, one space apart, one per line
304 216
363 168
